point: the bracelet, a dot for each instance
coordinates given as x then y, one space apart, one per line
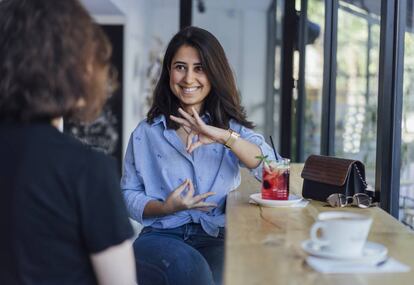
232 138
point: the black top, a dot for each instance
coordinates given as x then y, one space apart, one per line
60 201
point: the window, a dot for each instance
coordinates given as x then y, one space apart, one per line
357 84
407 125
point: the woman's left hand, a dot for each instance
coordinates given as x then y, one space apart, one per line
195 127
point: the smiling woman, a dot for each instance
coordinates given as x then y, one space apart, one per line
197 127
209 59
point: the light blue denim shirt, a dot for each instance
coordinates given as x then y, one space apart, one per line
156 163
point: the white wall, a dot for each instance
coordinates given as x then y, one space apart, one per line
162 22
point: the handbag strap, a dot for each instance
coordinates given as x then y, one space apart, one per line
368 189
364 182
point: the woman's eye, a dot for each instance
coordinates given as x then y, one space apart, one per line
199 68
180 67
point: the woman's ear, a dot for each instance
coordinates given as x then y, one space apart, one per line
81 103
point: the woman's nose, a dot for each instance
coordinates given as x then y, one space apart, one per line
189 77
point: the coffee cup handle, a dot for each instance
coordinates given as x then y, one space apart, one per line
314 234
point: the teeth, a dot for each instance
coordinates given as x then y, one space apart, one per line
188 90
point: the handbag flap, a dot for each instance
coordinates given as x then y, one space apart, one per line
327 169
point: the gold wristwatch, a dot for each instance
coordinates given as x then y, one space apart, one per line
232 138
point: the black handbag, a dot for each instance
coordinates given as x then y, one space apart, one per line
325 175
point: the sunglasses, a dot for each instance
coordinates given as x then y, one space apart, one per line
360 200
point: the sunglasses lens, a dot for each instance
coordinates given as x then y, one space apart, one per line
337 200
362 200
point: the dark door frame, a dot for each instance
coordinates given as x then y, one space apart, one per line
387 173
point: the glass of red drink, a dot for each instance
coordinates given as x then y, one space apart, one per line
275 182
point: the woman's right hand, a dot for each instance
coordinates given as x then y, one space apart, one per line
180 200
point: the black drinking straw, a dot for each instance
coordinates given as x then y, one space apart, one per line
273 146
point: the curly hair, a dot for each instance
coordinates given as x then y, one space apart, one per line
223 101
45 49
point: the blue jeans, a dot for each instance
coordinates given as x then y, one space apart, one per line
182 255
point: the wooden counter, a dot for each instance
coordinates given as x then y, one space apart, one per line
263 245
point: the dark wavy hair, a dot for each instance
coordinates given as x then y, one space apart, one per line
45 49
223 101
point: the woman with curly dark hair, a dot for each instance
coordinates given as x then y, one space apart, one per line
62 215
183 160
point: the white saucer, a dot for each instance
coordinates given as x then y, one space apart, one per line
293 199
371 253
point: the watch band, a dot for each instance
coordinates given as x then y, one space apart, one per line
232 138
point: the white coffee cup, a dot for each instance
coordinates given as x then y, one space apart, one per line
341 233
